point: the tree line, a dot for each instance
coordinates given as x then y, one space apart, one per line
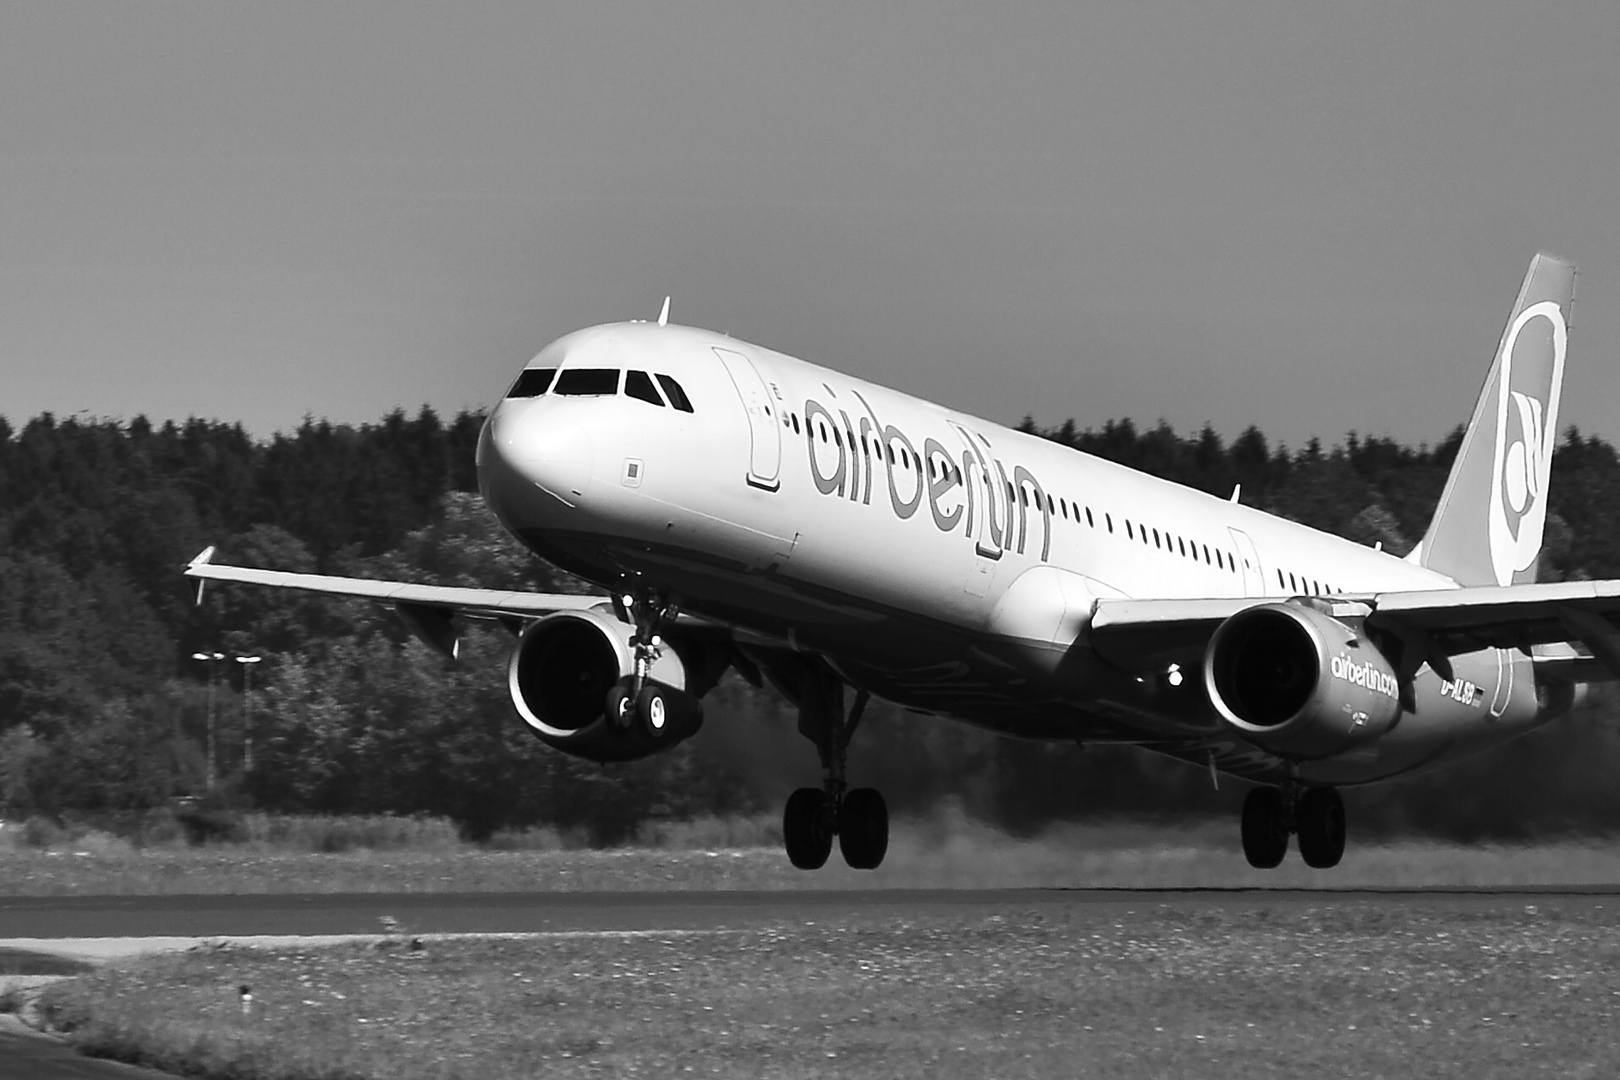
104 710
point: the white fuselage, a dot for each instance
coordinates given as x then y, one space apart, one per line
940 559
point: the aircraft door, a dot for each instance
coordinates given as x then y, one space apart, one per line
1254 577
765 437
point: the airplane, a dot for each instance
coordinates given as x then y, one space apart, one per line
743 509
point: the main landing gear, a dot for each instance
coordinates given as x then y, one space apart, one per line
814 816
1315 815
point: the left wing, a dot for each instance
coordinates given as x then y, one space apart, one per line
1440 623
426 609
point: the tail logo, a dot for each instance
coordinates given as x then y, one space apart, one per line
1531 375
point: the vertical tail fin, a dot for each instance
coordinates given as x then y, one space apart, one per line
1487 528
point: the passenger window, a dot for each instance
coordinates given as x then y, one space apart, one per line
532 383
1128 533
1092 523
639 385
677 396
588 382
1182 544
1156 538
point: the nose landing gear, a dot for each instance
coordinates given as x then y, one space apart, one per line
659 710
1315 816
859 819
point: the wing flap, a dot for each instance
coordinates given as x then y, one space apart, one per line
1521 617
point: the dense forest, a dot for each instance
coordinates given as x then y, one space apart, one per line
104 709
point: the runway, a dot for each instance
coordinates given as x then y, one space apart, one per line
81 917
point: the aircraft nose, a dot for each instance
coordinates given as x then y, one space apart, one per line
526 442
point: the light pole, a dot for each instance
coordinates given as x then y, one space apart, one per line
210 658
247 663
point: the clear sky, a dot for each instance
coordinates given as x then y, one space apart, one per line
1313 217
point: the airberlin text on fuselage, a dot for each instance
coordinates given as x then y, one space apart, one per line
965 489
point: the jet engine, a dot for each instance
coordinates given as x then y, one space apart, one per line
560 674
1299 683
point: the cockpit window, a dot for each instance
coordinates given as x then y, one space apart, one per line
638 384
677 396
581 382
532 383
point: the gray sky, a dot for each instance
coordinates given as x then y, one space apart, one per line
1309 216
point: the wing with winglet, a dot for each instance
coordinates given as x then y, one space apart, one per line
426 609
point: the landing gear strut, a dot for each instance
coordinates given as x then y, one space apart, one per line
813 817
657 708
1315 815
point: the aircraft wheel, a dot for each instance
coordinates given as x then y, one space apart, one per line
807 829
863 829
620 706
656 710
1265 840
1321 827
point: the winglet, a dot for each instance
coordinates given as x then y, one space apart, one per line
663 316
204 557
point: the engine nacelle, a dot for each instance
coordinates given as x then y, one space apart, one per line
559 677
1299 683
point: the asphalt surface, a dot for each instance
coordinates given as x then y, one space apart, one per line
553 912
120 925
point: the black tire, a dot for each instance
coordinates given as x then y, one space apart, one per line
1321 828
807 829
656 712
863 829
620 709
1265 840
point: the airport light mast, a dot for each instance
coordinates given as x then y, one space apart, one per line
247 663
211 659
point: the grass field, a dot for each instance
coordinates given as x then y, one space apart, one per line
947 850
1356 989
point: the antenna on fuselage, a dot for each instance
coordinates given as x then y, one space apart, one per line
1237 489
663 316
